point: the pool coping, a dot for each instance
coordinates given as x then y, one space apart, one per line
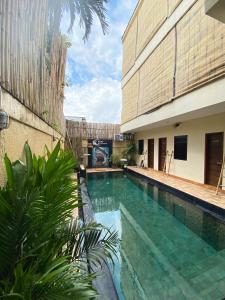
104 284
207 207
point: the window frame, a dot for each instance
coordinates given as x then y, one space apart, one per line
140 141
178 156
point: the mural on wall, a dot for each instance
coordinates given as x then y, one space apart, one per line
100 151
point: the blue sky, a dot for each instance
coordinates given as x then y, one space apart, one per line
94 68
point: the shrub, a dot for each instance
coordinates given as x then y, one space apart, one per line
43 251
130 153
115 158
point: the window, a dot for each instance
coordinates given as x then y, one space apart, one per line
180 147
140 147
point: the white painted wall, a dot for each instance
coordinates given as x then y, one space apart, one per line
194 167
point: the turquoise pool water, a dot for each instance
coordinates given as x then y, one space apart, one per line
170 249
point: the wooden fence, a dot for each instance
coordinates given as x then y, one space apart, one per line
87 130
80 132
32 65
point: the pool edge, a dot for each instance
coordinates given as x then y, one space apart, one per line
104 284
210 208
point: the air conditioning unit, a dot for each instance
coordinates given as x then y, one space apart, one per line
119 137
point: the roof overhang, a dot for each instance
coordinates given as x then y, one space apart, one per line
215 9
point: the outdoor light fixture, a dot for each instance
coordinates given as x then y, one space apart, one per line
177 124
4 120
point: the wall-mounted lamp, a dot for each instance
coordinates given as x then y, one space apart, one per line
4 120
177 124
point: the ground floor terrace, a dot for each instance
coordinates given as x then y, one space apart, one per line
193 149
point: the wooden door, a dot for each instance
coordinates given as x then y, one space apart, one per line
213 157
151 153
162 152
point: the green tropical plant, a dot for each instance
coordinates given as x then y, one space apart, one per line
44 252
115 159
130 153
85 10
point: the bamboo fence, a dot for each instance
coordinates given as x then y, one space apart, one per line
90 131
32 67
78 134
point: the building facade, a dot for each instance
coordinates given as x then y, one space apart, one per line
174 87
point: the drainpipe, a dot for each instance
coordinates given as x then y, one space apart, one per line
175 64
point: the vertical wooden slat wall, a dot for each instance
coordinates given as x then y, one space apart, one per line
129 50
191 55
156 76
200 49
77 132
86 130
130 96
151 15
25 71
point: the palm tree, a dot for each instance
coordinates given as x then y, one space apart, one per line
44 252
85 10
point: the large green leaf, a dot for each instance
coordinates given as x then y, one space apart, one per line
43 251
9 172
29 159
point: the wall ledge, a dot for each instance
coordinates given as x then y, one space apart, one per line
19 113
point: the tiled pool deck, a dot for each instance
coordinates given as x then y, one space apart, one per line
200 191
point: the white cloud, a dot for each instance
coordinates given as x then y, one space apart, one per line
95 68
99 100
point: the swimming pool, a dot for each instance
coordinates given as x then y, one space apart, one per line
170 248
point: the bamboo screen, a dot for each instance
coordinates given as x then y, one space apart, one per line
28 71
156 76
191 55
85 130
151 15
172 5
201 49
129 47
130 99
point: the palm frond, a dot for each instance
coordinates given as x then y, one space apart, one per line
92 242
84 10
43 252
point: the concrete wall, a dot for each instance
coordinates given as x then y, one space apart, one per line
24 126
194 167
